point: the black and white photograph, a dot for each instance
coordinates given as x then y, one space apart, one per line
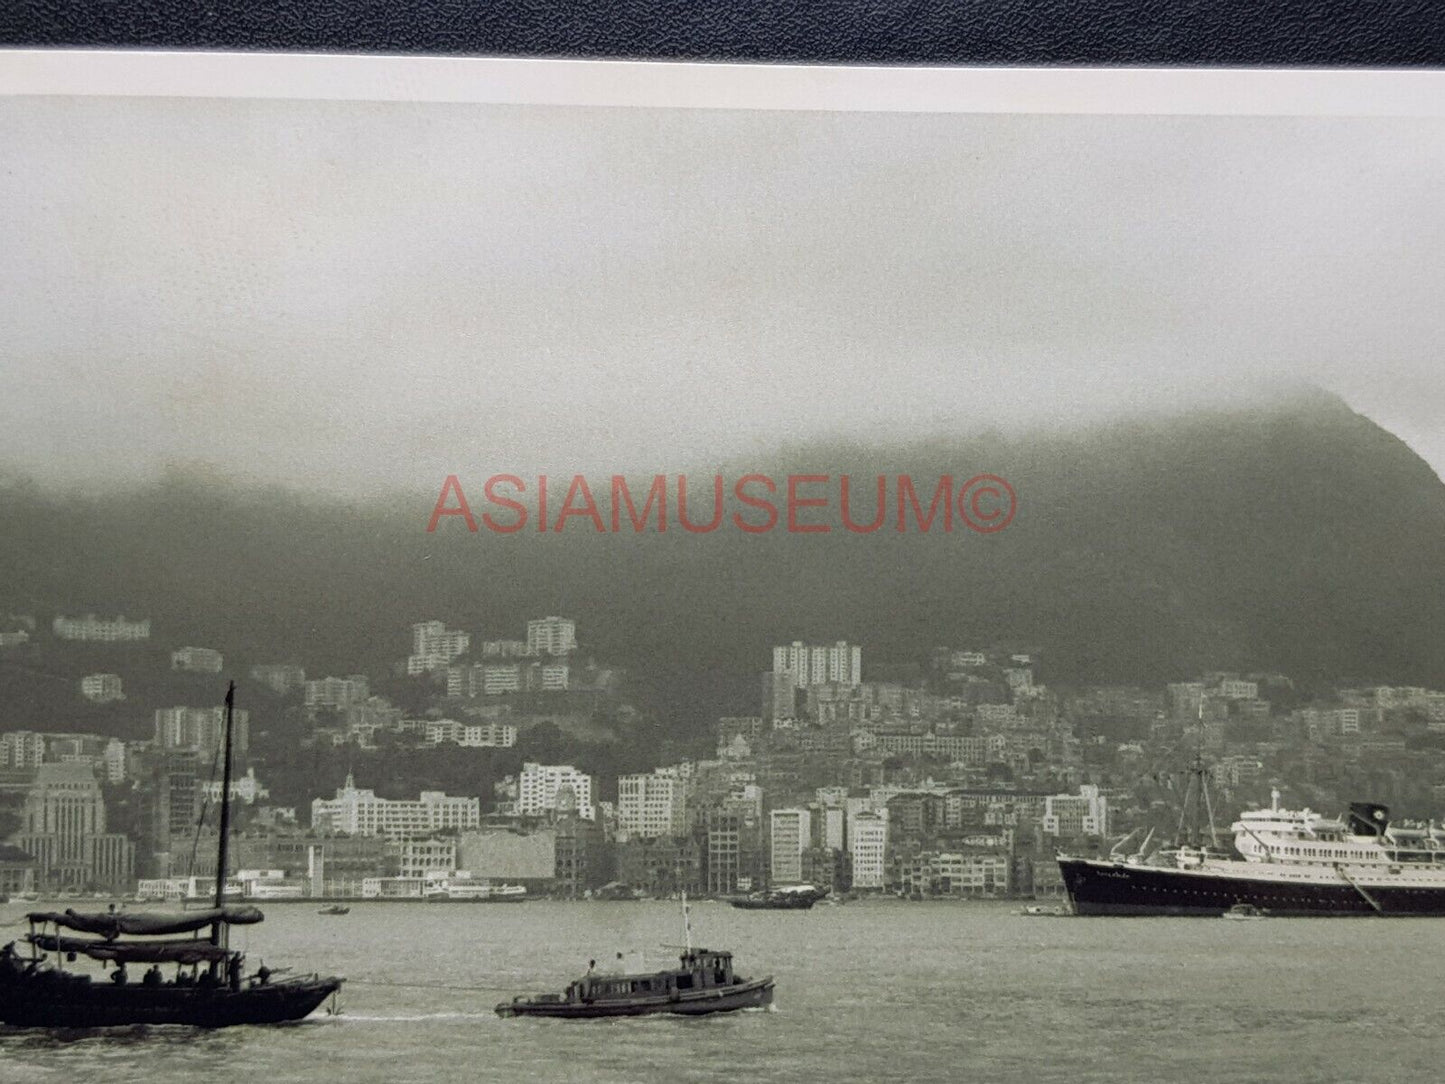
541 570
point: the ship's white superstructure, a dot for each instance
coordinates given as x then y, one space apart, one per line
1288 862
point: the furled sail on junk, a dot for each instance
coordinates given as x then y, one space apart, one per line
190 951
140 924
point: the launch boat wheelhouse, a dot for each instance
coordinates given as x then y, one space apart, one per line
703 983
1290 862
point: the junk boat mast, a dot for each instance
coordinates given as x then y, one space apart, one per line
40 992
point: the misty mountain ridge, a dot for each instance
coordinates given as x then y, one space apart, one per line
1295 536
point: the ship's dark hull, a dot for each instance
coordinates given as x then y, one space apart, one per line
747 995
1108 888
68 1001
796 903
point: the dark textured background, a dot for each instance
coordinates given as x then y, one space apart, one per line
1221 32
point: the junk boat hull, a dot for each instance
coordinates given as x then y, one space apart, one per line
756 994
71 1001
792 898
41 988
793 903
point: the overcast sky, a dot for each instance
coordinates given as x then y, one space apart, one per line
355 295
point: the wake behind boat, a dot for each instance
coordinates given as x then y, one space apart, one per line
209 987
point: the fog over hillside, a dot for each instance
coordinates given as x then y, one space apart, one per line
1300 537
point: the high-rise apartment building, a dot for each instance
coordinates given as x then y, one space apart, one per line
790 834
554 788
820 664
551 636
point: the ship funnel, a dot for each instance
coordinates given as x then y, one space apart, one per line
1368 818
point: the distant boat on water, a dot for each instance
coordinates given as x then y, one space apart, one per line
1245 911
790 898
334 909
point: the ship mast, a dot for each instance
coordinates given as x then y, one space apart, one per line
221 852
1198 776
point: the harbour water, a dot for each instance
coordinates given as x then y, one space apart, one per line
874 990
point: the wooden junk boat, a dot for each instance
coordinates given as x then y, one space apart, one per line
703 983
790 898
209 987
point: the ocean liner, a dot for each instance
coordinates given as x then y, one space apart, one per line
1289 862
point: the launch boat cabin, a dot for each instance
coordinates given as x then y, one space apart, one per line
702 983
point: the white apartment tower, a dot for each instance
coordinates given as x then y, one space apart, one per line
868 842
434 646
551 636
790 833
545 788
820 664
1082 814
652 806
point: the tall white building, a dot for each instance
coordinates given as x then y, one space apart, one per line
548 788
200 729
115 761
790 833
819 664
434 646
105 630
361 813
653 805
551 636
868 844
22 749
1082 814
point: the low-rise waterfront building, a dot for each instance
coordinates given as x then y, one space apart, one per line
360 812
